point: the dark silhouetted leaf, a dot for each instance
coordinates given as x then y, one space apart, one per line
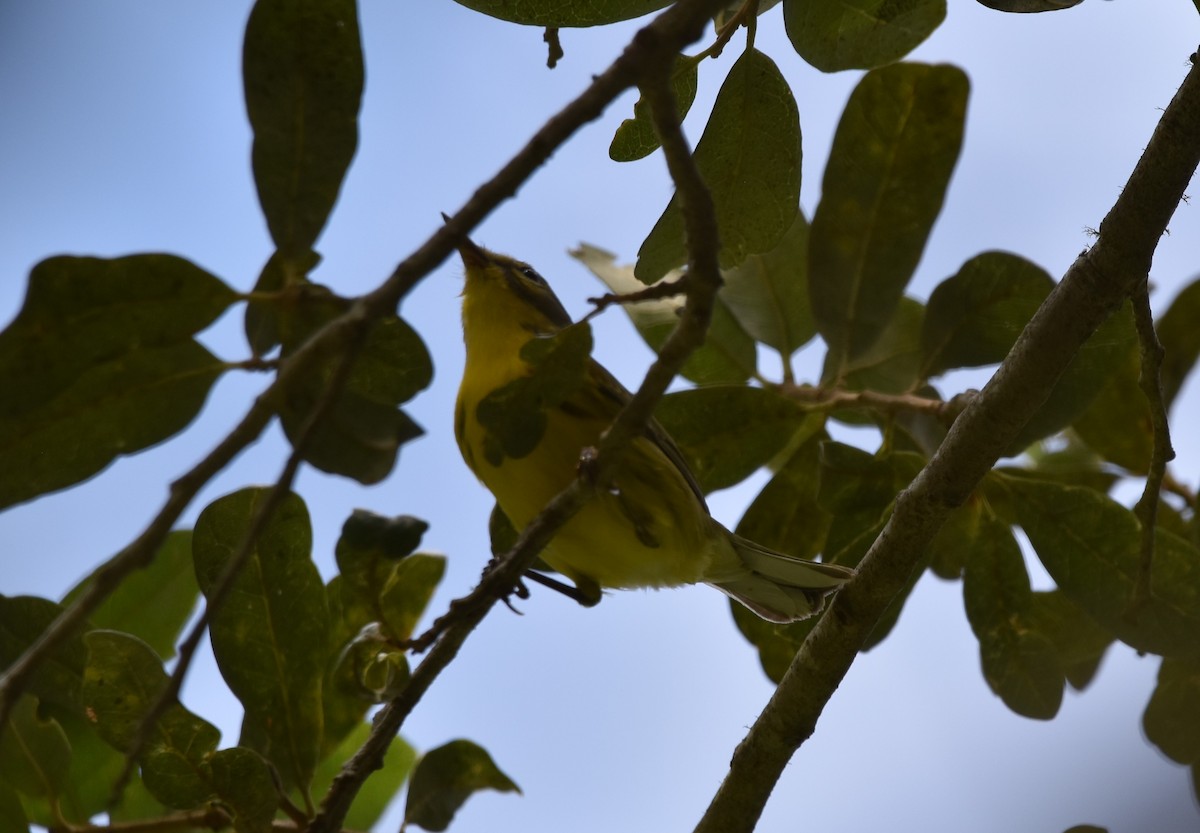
123 680
974 317
1038 6
749 156
303 75
364 429
1118 424
727 355
859 34
892 156
101 363
776 644
1078 640
786 516
243 781
1019 662
1180 339
35 755
57 679
262 321
1082 381
564 15
857 488
12 813
155 602
1090 545
514 415
636 138
270 635
407 592
445 778
768 293
1172 717
726 433
891 363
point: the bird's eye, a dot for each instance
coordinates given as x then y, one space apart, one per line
530 273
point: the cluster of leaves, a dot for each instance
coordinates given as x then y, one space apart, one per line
842 277
106 358
105 355
305 658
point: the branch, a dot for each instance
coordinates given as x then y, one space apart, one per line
832 399
1150 381
224 582
1094 286
647 59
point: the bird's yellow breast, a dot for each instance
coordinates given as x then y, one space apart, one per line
647 530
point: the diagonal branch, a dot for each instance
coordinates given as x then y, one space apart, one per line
648 60
1095 285
676 27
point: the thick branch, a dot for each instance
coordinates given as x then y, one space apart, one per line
1095 285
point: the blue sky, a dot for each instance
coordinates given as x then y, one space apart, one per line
124 131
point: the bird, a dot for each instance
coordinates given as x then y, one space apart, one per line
651 526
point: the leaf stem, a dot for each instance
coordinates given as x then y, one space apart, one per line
1150 381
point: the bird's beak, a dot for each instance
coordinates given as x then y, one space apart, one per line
472 255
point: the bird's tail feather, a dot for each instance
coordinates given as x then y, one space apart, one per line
778 587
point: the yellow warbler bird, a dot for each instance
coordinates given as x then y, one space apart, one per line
651 527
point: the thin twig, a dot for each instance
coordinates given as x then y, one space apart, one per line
832 399
224 582
663 289
648 59
1095 285
1150 381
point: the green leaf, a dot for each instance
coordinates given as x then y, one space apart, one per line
636 138
727 356
768 293
303 74
1090 545
728 432
123 680
891 363
1078 640
364 429
270 636
262 322
833 35
950 547
785 515
1086 375
445 778
368 550
1118 423
974 317
1038 6
1180 339
103 359
892 156
243 781
34 753
155 602
58 678
749 157
514 415
380 789
555 13
1072 463
12 814
857 489
407 592
1172 717
1019 662
777 644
